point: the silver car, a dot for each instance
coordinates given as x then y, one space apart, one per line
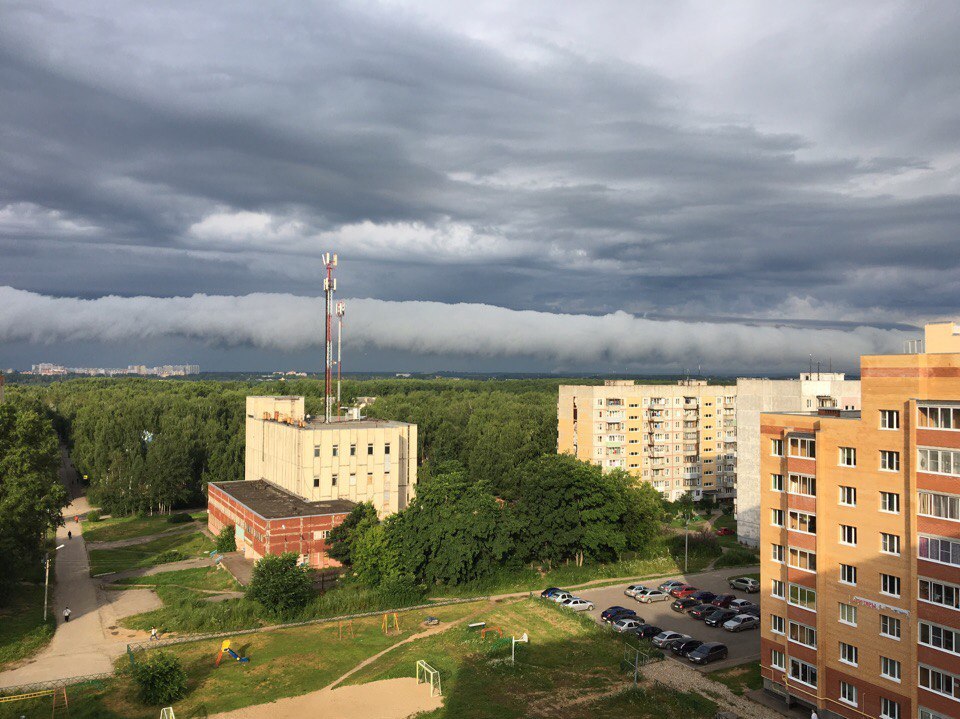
577 604
741 622
651 595
745 584
625 625
665 640
740 604
561 597
670 584
631 590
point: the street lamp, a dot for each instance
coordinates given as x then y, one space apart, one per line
46 582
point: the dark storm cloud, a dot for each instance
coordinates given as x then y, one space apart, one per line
221 147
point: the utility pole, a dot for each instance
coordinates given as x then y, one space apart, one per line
341 309
686 541
329 287
46 582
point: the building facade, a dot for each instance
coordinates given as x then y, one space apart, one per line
860 543
680 438
362 460
810 392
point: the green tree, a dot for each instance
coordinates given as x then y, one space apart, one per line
160 678
376 553
280 585
227 539
343 536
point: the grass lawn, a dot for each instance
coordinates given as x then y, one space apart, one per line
112 529
740 679
149 554
196 578
22 630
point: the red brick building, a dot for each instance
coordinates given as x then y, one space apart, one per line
270 520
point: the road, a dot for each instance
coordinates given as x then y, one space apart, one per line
743 646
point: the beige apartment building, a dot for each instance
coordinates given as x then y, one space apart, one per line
680 438
360 460
860 542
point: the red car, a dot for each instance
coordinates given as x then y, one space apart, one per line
683 591
724 532
723 600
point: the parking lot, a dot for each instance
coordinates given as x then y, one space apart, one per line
743 646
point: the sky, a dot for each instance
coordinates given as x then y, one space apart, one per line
538 186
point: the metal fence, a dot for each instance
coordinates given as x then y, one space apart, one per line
53 684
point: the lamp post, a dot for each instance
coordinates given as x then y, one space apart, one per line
46 582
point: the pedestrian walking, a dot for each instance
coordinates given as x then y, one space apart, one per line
66 614
69 534
76 519
153 634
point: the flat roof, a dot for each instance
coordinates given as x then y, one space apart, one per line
273 502
355 424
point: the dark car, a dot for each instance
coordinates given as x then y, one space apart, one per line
682 605
709 652
684 590
701 611
612 614
647 631
703 596
723 600
681 649
753 610
719 616
547 593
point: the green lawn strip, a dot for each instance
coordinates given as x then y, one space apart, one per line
116 528
22 629
195 578
725 521
739 679
149 554
648 703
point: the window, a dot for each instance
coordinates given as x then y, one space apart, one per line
889 460
316 450
776 517
386 449
369 478
848 574
776 624
803 673
776 589
322 534
944 417
890 543
353 480
889 627
333 481
848 456
848 693
890 668
889 419
849 654
803 597
803 484
776 482
803 522
942 506
776 447
889 709
778 660
776 552
353 450
936 592
316 481
939 461
805 447
848 614
802 559
940 682
942 638
802 634
940 550
369 450
336 450
890 585
927 714
848 534
848 496
890 502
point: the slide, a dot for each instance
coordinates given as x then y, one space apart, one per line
237 656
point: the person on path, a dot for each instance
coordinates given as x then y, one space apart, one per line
153 634
69 534
66 614
76 518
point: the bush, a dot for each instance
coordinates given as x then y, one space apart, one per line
227 540
179 518
93 515
737 558
161 679
280 585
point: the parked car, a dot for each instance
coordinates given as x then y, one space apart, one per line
704 596
708 652
671 584
701 611
745 584
724 532
665 640
647 631
723 600
651 595
548 593
632 589
682 605
720 616
612 614
740 604
753 610
741 622
621 626
681 649
561 596
578 605
684 590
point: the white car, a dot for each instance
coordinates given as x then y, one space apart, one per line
670 584
651 595
741 622
625 625
561 597
631 591
664 640
578 605
740 604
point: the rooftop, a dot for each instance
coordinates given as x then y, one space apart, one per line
271 502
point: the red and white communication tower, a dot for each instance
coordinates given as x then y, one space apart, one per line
341 309
329 287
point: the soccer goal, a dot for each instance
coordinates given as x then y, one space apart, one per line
167 713
426 673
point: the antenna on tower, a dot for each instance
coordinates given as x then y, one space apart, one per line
329 287
341 309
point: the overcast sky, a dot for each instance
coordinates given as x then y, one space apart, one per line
604 186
